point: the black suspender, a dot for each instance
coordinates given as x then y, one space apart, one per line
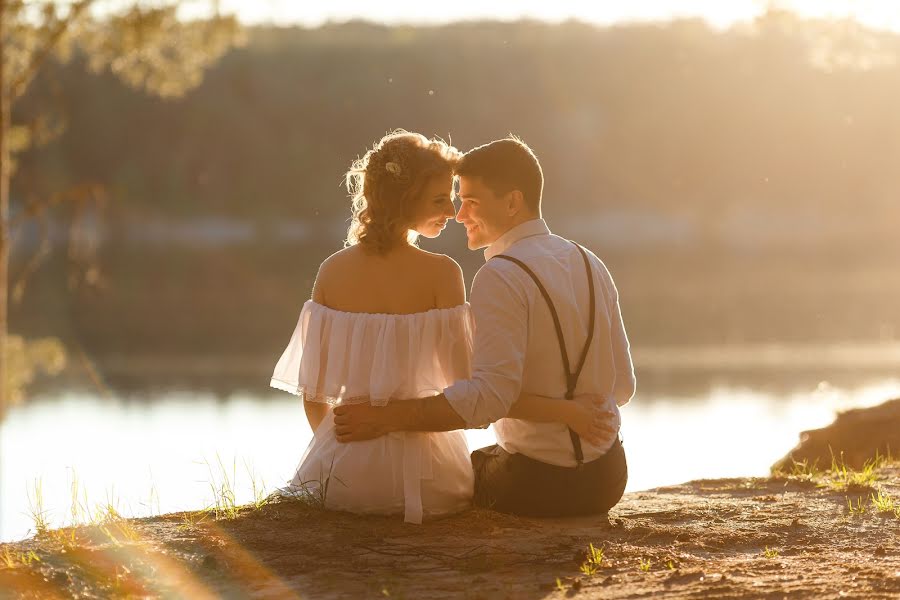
571 378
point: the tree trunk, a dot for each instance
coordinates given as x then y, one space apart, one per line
4 228
4 211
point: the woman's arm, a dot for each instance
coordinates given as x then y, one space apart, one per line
315 413
586 415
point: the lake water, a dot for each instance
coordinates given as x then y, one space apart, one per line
161 454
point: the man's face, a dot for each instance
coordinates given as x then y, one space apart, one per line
484 213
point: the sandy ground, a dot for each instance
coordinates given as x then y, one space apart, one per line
731 538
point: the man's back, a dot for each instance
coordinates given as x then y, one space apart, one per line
515 341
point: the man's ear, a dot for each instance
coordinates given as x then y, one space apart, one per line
515 203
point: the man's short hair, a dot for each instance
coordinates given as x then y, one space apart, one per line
506 165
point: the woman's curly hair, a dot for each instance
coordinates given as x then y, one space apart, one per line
387 181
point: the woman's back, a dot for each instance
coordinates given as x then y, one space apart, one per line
406 280
386 320
394 326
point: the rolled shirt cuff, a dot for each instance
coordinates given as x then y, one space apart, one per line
463 398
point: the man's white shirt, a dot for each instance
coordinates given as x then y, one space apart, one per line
516 348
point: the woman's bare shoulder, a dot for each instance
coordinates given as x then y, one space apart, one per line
332 271
444 263
449 267
447 279
341 260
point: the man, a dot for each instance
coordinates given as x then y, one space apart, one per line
537 469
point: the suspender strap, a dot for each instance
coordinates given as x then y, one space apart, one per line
571 378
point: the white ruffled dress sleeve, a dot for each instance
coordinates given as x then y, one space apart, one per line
335 356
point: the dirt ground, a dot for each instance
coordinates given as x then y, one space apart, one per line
807 535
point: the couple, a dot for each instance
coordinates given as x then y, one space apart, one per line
392 362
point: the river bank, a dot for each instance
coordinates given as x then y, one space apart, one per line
806 534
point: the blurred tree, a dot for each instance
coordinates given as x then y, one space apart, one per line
147 48
25 358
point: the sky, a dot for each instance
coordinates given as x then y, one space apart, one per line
878 14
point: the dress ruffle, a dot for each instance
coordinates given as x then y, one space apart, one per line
336 356
340 357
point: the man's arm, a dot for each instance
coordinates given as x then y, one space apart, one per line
624 387
540 409
363 421
587 415
500 311
501 332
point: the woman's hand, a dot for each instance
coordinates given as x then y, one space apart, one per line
591 418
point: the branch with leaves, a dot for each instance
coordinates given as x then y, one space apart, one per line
147 48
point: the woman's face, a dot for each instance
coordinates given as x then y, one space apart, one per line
434 207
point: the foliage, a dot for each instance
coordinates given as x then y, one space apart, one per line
147 48
26 359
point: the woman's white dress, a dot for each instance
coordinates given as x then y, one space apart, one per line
341 357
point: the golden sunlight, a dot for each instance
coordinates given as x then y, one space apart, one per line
258 336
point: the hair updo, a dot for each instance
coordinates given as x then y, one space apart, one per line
386 182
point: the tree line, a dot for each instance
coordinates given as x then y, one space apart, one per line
779 118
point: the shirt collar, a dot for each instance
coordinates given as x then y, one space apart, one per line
521 231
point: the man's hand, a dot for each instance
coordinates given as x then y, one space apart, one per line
594 422
357 422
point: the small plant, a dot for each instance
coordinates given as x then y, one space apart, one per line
559 585
115 526
884 503
594 560
125 528
77 508
260 498
13 560
644 565
670 564
843 478
66 537
839 477
800 469
107 511
312 493
109 521
192 518
858 509
223 491
36 508
154 498
770 552
109 535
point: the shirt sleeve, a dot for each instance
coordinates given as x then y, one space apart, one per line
500 310
624 387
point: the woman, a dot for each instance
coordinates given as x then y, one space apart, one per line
388 319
